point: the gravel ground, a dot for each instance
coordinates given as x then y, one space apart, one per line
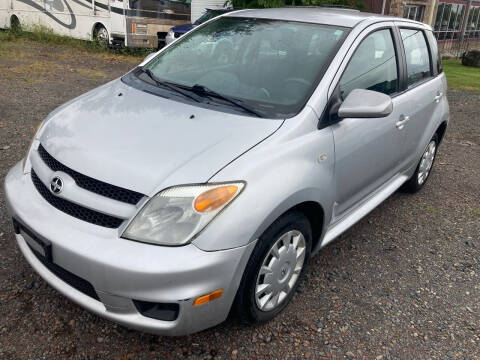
402 283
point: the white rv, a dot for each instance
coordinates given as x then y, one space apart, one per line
135 23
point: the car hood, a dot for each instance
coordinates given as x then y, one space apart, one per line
183 28
143 142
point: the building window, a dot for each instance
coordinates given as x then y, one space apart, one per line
472 27
413 12
448 21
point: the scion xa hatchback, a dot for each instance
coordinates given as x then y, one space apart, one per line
198 184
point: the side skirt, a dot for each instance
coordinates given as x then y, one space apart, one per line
357 213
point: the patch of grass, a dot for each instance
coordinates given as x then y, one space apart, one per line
461 77
6 36
92 74
37 70
8 51
43 34
431 208
475 212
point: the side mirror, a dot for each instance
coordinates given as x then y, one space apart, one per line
362 103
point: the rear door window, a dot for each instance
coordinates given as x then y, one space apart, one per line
417 55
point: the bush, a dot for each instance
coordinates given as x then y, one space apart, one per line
471 58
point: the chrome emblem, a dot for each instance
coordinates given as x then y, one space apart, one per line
56 185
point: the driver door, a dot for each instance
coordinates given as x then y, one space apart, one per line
368 151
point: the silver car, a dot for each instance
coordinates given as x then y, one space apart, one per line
203 180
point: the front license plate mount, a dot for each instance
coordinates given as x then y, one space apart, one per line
42 247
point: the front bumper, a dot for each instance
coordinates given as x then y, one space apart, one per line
122 270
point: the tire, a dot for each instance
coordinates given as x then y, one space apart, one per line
100 36
287 229
420 177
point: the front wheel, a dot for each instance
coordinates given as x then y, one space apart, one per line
424 167
275 268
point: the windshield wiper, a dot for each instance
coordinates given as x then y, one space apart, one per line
199 90
203 90
168 85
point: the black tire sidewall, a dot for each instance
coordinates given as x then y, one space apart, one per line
245 302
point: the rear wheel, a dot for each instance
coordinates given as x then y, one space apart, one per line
275 268
100 35
424 167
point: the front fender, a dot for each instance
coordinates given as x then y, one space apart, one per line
293 166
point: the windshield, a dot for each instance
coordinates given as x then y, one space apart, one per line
272 66
207 16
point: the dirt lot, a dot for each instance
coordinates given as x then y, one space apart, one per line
403 283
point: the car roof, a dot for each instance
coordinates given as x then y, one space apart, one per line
220 10
319 15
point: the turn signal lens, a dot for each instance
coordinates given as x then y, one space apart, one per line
211 200
208 297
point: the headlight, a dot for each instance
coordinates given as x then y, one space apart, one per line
176 215
171 33
30 145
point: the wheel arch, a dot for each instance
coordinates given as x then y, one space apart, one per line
313 211
441 130
12 19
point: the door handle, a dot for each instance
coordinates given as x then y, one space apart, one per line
438 97
401 123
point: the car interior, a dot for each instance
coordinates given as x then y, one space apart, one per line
271 65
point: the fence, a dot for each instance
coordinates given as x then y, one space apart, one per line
456 47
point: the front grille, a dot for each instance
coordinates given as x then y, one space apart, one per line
91 184
77 211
